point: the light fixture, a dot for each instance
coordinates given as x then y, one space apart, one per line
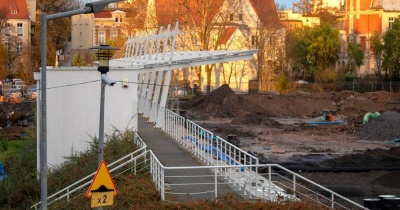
103 55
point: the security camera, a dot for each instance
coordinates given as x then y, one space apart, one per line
107 80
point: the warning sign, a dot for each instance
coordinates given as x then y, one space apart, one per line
102 190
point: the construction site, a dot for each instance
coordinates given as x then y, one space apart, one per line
346 141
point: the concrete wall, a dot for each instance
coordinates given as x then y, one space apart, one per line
73 108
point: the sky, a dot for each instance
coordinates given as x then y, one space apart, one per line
289 4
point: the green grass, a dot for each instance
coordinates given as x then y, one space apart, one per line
8 148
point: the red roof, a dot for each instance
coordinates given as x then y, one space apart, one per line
227 35
266 12
103 14
16 9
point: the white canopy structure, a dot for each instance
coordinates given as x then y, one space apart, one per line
154 59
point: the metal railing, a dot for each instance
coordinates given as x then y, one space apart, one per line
237 167
226 165
135 162
263 186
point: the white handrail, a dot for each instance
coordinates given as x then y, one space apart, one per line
78 185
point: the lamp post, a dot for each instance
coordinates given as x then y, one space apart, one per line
103 55
94 7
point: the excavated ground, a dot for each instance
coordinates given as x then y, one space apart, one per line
354 159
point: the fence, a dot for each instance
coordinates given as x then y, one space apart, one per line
228 164
355 86
134 162
234 167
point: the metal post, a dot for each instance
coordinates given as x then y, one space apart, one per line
216 182
162 184
294 185
101 124
38 127
43 131
269 182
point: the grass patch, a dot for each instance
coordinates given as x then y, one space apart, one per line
8 148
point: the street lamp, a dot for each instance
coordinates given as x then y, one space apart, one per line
94 7
103 55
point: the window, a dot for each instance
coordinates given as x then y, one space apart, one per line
114 34
231 17
19 29
118 19
391 20
102 37
240 17
19 47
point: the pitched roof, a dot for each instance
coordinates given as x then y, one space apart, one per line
103 14
16 9
227 35
266 12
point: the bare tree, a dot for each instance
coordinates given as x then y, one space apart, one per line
204 23
305 7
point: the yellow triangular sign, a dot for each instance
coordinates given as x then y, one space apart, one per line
102 181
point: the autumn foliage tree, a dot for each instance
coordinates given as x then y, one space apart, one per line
391 55
3 61
58 30
312 50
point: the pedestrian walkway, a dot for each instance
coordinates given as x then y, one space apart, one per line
171 154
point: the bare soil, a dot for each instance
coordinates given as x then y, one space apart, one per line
276 129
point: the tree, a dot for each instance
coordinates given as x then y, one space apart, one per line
355 58
204 23
377 48
58 30
391 48
269 45
3 61
305 7
312 50
78 60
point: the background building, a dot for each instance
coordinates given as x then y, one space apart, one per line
19 18
363 19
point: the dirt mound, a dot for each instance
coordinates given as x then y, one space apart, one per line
375 158
384 127
221 103
345 95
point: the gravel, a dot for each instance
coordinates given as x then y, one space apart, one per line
384 127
